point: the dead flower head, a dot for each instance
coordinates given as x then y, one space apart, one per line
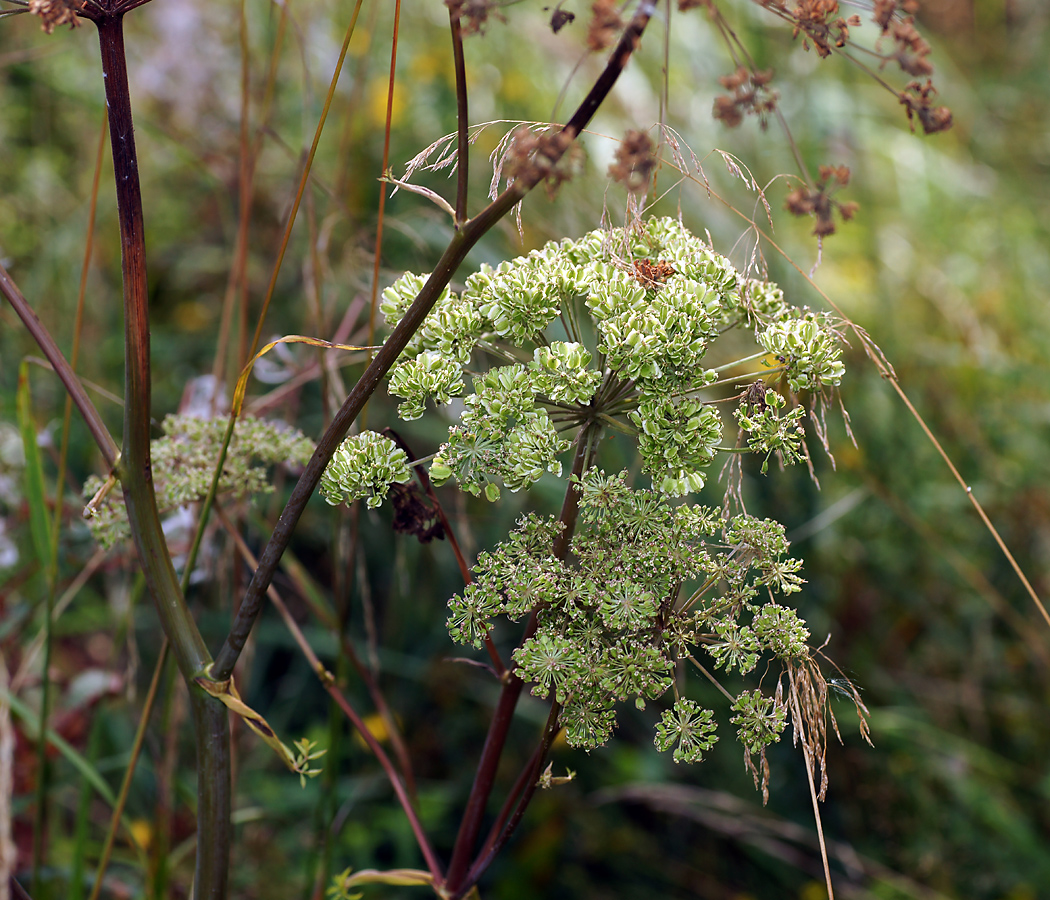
560 18
473 14
819 22
651 275
884 11
750 96
550 157
415 513
917 100
818 202
605 25
55 12
634 162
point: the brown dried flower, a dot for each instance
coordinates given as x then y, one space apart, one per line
917 99
560 18
819 22
605 25
751 96
884 11
55 12
533 158
818 201
651 275
473 14
415 513
911 49
634 162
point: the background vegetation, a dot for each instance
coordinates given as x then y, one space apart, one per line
946 264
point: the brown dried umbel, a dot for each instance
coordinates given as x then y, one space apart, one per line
605 25
473 15
55 12
917 99
818 201
415 513
911 48
560 18
634 162
819 21
755 396
885 10
751 96
551 157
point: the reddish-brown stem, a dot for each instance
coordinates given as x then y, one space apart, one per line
136 477
462 119
380 216
484 779
326 680
406 804
525 786
62 368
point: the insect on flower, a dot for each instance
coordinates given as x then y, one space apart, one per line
652 275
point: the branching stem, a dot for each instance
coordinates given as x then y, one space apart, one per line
460 244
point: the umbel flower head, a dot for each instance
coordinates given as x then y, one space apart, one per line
184 465
616 332
619 325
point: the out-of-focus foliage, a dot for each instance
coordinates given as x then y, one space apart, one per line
946 263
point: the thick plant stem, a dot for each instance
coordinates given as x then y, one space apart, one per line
462 118
136 477
134 468
212 723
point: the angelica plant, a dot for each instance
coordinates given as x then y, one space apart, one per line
617 332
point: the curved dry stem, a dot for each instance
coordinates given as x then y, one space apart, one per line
62 368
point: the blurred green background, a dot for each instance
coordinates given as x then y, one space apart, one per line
946 265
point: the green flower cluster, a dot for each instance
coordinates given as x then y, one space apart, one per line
687 728
184 466
649 584
613 331
364 466
809 348
657 297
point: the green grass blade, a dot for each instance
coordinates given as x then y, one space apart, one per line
75 759
39 526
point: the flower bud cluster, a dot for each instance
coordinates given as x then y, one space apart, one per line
363 468
809 349
503 436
